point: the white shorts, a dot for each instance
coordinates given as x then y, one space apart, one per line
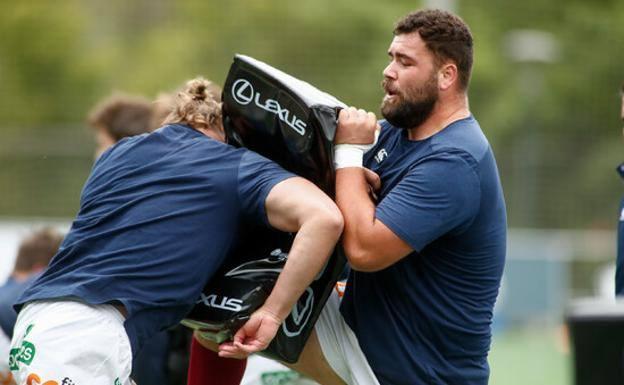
70 343
340 346
6 378
262 371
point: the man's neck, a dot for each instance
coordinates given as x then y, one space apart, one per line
443 114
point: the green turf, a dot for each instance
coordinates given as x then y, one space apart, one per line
530 357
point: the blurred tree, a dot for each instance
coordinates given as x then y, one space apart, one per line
58 58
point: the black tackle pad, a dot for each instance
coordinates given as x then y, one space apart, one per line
292 123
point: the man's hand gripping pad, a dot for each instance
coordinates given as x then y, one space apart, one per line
292 123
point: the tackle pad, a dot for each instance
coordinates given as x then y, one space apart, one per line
292 123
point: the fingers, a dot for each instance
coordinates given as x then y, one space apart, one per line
372 179
365 117
229 350
355 126
343 114
241 348
250 348
240 335
254 336
352 113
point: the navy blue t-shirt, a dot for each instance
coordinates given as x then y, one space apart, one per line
157 217
9 292
619 270
426 319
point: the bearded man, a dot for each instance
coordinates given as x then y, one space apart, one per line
428 254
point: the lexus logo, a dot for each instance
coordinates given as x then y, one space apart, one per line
300 314
242 91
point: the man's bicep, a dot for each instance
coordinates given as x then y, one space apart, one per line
292 200
386 246
257 177
431 202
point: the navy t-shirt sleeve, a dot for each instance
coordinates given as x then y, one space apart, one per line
256 177
437 196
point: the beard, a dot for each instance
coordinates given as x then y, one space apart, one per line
411 107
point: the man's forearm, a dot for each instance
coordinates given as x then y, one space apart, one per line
309 253
357 207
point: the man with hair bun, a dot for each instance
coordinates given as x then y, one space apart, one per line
158 215
114 118
427 255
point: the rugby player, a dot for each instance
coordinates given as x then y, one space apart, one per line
163 359
157 217
120 116
427 256
33 255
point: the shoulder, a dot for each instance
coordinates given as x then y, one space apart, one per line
462 140
255 167
464 135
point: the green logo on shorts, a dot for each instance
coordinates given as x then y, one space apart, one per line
13 359
117 382
279 377
28 329
24 354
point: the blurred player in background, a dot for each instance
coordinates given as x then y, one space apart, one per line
619 274
427 256
120 116
33 256
158 215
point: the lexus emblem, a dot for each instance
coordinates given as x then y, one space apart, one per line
242 91
300 314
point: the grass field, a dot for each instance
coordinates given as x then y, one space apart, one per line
530 357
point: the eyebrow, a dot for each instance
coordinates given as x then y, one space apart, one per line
400 55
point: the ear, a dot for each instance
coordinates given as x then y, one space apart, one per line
447 76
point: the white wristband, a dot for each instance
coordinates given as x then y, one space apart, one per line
348 155
352 155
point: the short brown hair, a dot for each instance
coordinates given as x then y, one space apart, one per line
37 249
198 104
122 116
446 35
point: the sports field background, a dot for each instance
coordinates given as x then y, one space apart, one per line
545 89
530 356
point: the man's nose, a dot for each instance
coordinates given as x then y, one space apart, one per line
390 72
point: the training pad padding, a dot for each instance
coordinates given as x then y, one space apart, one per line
292 123
282 118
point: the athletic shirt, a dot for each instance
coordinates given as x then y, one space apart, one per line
619 270
157 217
9 292
426 319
